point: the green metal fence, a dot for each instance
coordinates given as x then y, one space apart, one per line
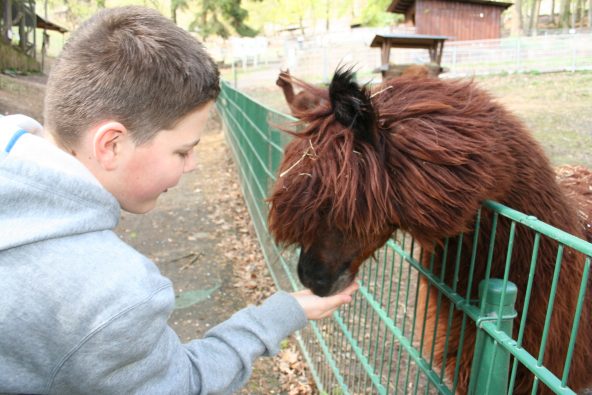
377 344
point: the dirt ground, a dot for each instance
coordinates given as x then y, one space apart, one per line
22 95
200 237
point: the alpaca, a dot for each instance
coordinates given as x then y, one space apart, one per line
416 71
300 102
429 70
576 182
421 155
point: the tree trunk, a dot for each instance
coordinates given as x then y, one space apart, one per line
204 28
553 13
564 14
327 26
174 11
516 29
7 25
589 14
532 17
536 16
581 13
22 34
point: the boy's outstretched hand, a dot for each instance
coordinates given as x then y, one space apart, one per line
316 307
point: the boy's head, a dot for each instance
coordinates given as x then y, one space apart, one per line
129 97
131 65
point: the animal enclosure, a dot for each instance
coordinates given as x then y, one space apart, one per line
375 345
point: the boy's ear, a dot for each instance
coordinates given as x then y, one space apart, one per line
109 140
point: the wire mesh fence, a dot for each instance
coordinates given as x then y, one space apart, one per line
314 61
442 320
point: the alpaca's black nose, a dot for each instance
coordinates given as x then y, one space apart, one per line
313 276
319 287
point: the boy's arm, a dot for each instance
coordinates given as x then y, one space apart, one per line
137 352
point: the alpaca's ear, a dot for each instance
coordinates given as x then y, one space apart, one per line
352 105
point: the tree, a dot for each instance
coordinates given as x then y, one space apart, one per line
534 17
581 13
6 24
285 13
75 11
589 13
177 5
236 16
375 14
516 29
564 13
217 16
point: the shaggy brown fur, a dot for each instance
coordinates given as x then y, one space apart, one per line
434 151
576 182
300 102
417 71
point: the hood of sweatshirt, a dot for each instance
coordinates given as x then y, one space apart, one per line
45 192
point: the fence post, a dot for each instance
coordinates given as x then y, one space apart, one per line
491 363
518 54
234 82
573 52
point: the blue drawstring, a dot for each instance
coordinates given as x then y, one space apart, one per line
14 139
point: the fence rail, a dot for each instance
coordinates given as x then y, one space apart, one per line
380 343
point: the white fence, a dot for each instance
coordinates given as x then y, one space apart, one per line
316 59
520 54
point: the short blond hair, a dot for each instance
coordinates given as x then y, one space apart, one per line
132 65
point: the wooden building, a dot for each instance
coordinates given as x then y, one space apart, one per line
457 19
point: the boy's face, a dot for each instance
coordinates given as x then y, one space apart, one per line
151 168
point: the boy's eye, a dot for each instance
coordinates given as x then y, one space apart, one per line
183 154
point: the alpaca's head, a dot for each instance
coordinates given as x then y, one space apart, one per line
330 195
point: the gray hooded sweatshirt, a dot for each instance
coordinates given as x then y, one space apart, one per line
81 312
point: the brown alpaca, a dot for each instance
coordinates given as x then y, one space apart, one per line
576 182
416 71
429 70
421 155
300 102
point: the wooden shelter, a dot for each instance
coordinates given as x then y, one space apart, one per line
18 38
47 25
21 14
434 45
461 19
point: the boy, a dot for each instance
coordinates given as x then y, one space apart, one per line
81 311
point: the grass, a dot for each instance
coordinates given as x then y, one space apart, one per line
556 107
10 85
18 96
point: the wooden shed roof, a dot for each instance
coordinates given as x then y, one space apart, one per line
407 40
401 6
43 24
